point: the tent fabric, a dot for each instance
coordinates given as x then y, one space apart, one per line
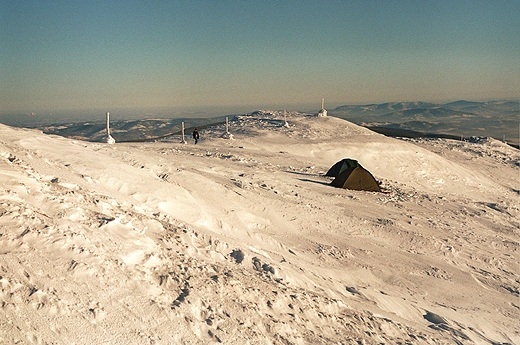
353 176
342 165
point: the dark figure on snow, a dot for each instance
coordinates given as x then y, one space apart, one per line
196 135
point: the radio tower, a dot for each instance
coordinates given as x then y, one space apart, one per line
323 111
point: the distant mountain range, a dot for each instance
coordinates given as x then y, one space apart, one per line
496 119
130 130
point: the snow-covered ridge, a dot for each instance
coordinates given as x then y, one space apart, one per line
455 120
244 241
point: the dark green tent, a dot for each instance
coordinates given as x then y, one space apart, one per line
351 175
342 165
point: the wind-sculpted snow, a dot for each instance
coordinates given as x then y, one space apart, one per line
245 242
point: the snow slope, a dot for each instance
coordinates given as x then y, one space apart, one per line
244 242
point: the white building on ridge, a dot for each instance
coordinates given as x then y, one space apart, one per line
323 111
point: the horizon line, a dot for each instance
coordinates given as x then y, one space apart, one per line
253 107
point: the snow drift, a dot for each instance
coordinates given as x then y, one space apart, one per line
245 242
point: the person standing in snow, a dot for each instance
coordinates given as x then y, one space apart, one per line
196 135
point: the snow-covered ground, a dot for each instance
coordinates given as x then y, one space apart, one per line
245 242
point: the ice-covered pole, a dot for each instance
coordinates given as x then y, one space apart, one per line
227 135
108 124
183 139
110 140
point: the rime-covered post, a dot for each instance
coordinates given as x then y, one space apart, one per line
227 135
183 139
110 140
108 124
285 124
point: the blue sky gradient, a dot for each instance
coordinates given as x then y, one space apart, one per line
103 54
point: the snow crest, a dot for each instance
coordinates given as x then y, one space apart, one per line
245 242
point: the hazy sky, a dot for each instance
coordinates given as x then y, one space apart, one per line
130 53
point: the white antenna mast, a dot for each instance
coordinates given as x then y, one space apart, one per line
322 112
